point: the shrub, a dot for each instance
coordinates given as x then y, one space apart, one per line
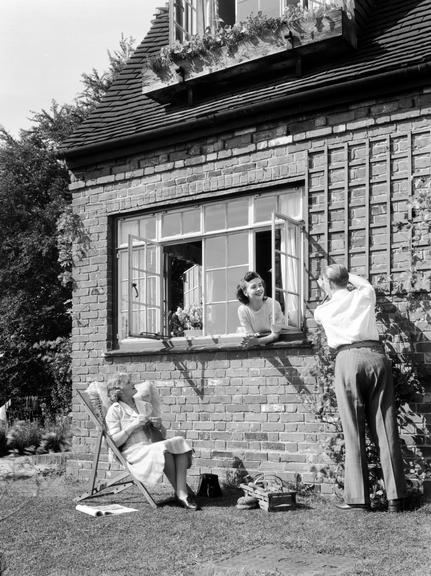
3 442
56 357
24 437
56 437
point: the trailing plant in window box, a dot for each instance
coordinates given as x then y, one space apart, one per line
258 36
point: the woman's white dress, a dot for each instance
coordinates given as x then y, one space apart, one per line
261 321
146 460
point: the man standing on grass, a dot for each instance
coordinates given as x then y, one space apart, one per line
363 386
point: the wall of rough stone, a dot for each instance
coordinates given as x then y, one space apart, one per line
357 165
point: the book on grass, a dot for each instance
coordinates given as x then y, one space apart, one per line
104 509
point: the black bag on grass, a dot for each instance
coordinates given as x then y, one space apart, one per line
209 486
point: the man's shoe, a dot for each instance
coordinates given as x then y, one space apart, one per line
189 503
345 506
396 505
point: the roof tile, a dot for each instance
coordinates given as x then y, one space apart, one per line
398 33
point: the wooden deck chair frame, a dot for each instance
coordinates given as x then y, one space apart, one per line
120 482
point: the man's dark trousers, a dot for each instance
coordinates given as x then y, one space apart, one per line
364 390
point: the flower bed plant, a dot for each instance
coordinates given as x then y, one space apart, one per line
258 36
29 437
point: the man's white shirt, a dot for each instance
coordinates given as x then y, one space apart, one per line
349 316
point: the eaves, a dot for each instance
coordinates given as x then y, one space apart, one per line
287 105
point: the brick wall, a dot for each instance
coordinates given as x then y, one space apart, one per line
358 165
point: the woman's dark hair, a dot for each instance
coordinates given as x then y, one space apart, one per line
248 277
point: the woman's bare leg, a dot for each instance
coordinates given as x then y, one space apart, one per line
181 474
170 470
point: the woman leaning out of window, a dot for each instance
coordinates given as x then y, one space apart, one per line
256 312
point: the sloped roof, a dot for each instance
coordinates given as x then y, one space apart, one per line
397 37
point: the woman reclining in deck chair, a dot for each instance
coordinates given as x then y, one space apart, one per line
129 421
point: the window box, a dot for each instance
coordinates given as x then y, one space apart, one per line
186 76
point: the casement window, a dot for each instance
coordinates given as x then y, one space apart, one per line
191 17
196 255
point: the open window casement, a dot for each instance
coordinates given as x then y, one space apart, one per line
287 255
191 17
145 288
192 291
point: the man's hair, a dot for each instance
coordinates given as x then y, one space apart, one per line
337 274
248 277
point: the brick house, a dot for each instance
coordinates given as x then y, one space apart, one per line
178 188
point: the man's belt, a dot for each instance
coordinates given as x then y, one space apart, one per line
370 344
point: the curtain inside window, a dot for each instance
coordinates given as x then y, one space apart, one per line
290 204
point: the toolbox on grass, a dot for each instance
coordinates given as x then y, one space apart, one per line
271 493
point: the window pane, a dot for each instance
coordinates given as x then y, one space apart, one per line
214 217
232 318
233 278
191 221
237 213
293 310
270 7
171 224
216 318
145 259
147 228
237 249
151 291
263 208
192 292
216 286
215 252
245 8
291 204
127 227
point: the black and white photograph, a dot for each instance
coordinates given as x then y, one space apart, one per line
215 277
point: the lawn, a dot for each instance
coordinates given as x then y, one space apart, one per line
46 536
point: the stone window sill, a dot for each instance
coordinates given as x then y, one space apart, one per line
138 346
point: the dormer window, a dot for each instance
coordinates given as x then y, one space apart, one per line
191 17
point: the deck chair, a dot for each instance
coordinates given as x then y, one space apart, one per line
96 401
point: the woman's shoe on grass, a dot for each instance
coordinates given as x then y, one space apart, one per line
188 502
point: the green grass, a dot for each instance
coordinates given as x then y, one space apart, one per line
44 535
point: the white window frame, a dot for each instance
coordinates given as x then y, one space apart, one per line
275 220
297 227
134 275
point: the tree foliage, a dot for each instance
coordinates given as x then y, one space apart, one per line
40 240
53 126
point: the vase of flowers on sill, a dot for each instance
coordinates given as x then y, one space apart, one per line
186 322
